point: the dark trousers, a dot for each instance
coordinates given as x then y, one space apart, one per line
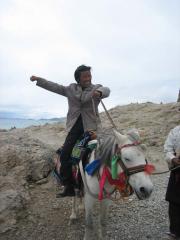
174 218
66 165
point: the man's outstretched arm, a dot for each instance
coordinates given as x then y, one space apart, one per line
50 86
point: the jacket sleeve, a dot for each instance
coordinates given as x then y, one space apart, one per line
88 96
169 148
51 86
104 90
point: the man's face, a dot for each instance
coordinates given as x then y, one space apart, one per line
85 79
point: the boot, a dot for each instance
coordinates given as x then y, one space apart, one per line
68 191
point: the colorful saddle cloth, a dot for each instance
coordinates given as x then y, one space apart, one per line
85 144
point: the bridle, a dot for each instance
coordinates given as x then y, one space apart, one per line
132 170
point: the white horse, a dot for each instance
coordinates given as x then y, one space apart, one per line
131 160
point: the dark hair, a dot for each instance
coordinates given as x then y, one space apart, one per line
78 71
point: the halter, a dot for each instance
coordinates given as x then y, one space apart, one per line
122 183
132 170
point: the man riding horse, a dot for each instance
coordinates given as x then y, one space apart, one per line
83 100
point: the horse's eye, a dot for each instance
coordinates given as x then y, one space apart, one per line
127 159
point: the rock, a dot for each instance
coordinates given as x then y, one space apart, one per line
12 208
42 181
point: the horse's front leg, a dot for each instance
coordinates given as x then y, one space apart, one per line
89 204
104 206
74 212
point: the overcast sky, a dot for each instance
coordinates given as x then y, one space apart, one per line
133 47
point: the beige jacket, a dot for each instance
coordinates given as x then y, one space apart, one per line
79 101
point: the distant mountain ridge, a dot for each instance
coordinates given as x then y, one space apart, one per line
20 115
5 114
53 119
9 123
36 119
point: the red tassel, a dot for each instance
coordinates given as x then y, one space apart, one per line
149 168
101 184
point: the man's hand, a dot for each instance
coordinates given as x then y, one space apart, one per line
176 161
34 78
96 94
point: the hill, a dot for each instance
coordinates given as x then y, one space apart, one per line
27 191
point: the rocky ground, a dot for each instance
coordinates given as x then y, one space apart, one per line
28 206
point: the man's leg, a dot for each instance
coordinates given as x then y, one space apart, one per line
174 218
66 165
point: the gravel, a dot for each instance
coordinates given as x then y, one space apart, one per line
131 219
147 219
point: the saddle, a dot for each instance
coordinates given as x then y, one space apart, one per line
81 151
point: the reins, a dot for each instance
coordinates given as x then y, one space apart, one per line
172 169
108 115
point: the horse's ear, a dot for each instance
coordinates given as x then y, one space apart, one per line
119 136
134 134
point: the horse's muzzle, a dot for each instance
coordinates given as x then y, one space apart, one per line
143 193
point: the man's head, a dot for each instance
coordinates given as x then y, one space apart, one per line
83 75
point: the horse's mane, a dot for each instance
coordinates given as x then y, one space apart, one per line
106 147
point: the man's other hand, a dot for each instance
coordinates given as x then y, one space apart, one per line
176 161
96 94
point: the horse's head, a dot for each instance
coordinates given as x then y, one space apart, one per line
132 161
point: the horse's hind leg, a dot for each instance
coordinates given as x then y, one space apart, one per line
104 205
89 203
81 204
